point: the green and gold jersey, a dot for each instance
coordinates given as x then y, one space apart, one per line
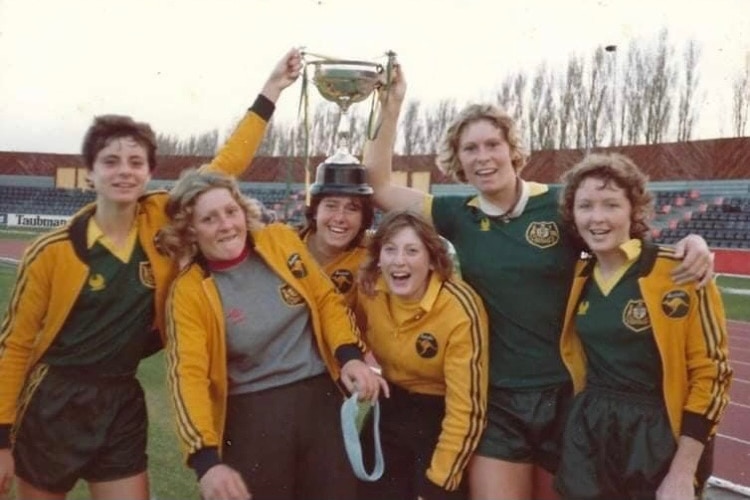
617 336
111 319
522 268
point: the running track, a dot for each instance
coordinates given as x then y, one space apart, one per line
732 454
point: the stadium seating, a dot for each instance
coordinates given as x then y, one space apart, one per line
723 221
41 200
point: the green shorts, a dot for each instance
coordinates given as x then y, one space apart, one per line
619 445
75 425
525 425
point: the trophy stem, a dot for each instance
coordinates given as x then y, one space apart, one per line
343 131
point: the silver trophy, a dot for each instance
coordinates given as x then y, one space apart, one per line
345 82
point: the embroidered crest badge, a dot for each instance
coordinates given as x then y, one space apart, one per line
146 274
289 295
676 303
635 316
97 282
296 266
543 234
343 279
427 346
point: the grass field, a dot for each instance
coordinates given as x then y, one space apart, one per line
170 478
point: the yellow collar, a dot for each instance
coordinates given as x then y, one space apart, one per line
632 250
94 234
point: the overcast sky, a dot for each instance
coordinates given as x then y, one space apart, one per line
189 66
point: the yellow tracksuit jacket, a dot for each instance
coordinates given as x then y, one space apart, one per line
53 271
196 334
690 331
452 320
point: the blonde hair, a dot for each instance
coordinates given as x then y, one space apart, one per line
177 238
447 157
612 169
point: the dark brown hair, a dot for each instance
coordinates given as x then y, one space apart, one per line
108 127
612 169
368 215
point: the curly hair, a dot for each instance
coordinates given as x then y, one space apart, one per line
108 127
177 238
391 224
612 169
368 216
447 156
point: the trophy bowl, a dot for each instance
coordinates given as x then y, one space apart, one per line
346 82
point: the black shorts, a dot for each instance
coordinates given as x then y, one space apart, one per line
287 443
525 425
410 427
619 445
72 425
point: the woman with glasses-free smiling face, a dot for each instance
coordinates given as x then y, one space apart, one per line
405 264
120 171
484 153
602 217
338 220
428 329
220 225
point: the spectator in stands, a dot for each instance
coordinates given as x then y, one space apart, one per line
339 214
516 254
435 363
648 358
87 306
257 336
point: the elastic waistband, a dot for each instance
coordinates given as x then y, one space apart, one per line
398 393
624 395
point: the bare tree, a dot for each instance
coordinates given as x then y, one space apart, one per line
412 129
567 85
273 135
511 96
687 113
632 116
658 89
741 100
358 130
597 101
580 103
204 144
542 116
436 120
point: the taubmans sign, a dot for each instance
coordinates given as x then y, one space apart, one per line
35 220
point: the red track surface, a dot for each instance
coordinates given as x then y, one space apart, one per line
732 454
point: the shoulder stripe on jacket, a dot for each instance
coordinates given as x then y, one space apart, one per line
30 255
